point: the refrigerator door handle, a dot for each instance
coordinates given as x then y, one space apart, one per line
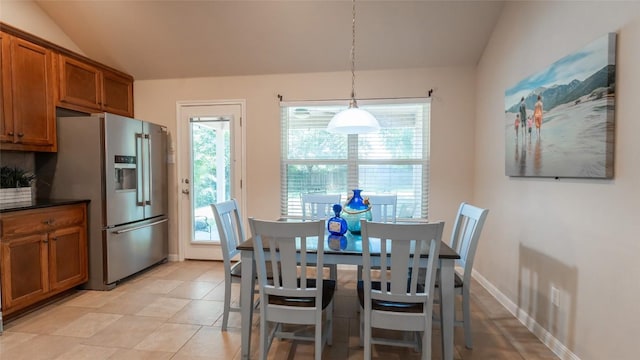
140 188
117 232
148 171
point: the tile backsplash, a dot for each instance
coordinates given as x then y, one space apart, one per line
23 160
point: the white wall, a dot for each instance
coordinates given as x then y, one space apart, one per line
453 107
577 234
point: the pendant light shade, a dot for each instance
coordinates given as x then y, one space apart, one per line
353 120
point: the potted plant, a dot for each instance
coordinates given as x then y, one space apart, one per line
15 184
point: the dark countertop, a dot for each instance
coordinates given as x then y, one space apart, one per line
38 203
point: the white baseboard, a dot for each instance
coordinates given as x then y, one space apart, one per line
541 333
173 257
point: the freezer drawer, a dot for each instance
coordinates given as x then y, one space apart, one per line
134 247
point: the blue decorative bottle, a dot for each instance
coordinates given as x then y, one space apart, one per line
337 225
337 242
356 209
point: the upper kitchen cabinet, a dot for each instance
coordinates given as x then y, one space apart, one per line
117 93
37 76
27 112
91 88
5 109
79 83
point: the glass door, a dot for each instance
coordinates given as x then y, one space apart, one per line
211 173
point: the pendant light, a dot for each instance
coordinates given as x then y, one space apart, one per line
353 120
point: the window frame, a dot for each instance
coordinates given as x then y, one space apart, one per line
352 161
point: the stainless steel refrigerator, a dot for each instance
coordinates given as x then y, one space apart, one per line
119 164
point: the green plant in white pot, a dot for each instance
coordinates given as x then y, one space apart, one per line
15 185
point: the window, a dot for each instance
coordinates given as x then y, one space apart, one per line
394 160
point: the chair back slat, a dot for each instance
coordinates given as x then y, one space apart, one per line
400 256
468 227
415 266
275 265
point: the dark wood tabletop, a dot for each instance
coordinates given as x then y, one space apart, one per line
351 244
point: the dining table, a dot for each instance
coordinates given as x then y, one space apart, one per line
347 250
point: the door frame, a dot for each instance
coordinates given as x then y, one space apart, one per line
181 148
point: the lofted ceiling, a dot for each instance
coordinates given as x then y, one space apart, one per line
177 39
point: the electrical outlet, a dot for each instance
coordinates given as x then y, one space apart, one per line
555 296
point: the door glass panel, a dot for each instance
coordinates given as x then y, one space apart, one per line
211 166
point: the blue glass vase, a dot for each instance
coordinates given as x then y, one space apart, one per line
337 225
355 209
337 242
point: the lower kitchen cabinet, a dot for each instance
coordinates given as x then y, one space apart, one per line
24 271
44 252
67 258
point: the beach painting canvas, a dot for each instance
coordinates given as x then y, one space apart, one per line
560 121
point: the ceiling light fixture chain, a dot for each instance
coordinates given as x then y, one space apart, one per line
353 120
353 54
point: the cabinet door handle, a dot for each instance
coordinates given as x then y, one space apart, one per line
45 241
48 222
20 134
10 133
55 238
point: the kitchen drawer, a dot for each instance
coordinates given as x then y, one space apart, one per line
40 220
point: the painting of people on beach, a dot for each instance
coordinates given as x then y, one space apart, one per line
560 121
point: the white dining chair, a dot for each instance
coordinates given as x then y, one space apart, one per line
229 223
320 207
291 297
383 207
464 240
396 300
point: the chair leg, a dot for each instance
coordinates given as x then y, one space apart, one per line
227 302
333 272
264 337
330 323
466 317
318 340
426 342
417 341
361 327
367 337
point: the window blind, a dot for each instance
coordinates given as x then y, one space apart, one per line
394 160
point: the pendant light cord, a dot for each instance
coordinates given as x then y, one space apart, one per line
353 57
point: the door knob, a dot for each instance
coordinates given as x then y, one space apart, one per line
185 191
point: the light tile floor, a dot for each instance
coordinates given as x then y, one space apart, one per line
173 311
